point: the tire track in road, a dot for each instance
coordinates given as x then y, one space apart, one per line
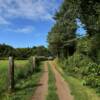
63 90
42 89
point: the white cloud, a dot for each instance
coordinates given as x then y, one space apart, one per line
30 9
27 29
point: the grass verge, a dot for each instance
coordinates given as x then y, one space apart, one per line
52 95
79 91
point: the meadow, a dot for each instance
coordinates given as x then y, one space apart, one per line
25 81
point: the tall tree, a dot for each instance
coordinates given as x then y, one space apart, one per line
64 29
90 15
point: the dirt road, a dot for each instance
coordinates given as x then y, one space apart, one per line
42 89
63 90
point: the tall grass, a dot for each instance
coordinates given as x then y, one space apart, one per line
25 81
79 91
3 76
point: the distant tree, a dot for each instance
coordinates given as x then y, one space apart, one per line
6 50
23 53
42 51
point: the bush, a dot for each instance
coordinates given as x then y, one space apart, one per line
77 64
81 66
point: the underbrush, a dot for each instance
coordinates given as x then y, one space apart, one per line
82 67
79 91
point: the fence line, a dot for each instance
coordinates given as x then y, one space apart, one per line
11 71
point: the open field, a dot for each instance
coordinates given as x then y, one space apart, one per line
25 83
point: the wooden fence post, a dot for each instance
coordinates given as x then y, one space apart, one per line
11 74
33 63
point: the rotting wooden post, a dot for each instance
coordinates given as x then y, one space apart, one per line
33 63
11 74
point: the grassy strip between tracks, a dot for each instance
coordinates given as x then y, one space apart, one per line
52 94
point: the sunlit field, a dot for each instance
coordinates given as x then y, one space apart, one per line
24 81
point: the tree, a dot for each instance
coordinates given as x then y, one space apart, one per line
23 53
42 51
64 29
90 15
6 50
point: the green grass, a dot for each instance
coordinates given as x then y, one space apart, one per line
79 91
52 95
25 81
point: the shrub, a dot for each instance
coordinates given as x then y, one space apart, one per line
81 66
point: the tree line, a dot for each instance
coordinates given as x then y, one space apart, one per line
81 54
22 53
64 30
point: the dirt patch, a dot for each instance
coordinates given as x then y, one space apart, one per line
42 89
63 90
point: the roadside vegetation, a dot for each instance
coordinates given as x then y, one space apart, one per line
79 91
25 81
52 95
75 41
82 67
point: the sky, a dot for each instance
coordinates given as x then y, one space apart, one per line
26 23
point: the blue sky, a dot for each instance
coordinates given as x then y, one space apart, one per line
26 23
80 28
